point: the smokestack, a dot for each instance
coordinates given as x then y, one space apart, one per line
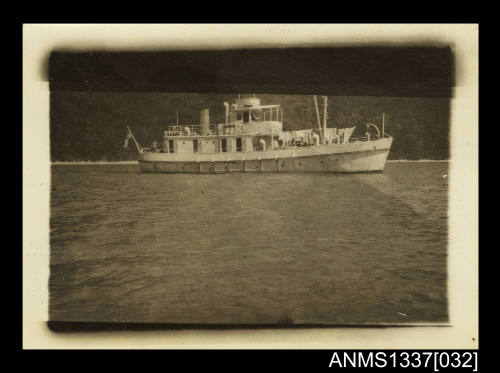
204 121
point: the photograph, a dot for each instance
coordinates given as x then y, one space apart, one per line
245 208
251 186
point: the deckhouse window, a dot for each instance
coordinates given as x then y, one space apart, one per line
246 116
223 144
256 115
238 144
195 146
170 146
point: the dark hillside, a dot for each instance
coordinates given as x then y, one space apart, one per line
90 126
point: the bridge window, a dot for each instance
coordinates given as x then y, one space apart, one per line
246 116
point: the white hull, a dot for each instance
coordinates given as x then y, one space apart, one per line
362 156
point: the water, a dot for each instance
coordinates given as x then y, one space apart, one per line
249 248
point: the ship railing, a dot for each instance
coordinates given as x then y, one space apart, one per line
372 138
191 130
230 129
358 139
155 150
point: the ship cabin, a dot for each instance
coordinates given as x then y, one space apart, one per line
248 127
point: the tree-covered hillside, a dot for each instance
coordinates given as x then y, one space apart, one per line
90 126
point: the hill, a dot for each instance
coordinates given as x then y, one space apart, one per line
90 126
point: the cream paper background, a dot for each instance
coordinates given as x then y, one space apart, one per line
40 39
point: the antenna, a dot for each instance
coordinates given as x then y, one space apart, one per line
383 124
177 116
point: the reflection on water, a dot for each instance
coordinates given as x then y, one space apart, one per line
249 248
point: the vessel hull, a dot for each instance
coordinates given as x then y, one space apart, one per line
368 156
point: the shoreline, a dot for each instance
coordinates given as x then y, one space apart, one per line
69 163
103 163
417 160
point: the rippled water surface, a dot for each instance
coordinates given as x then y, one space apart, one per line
249 248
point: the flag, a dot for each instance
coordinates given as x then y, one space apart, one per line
125 144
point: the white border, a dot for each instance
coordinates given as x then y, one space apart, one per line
40 39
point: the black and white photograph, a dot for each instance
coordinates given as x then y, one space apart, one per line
290 186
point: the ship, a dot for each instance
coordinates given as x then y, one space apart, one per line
252 139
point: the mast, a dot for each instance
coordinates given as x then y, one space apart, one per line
317 115
325 98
